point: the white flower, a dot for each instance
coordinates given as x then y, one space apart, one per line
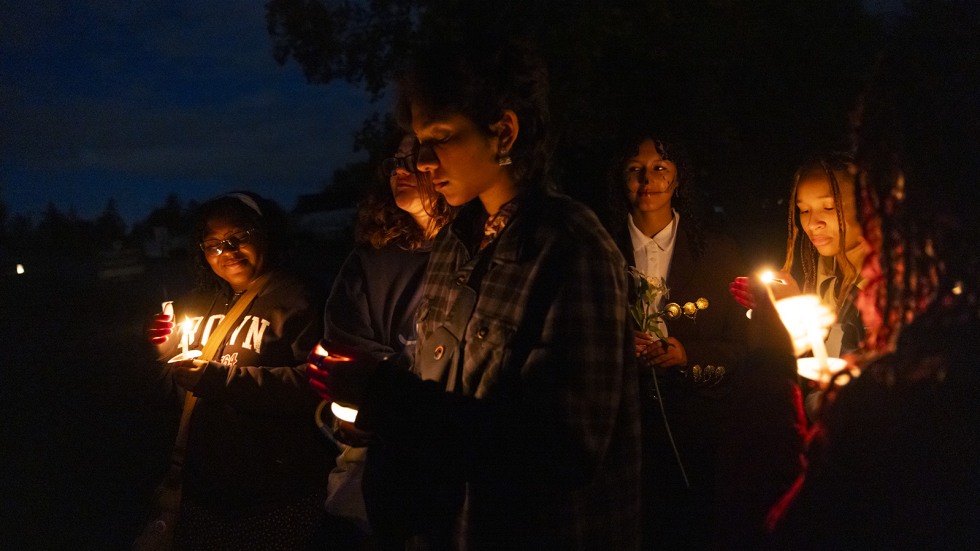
650 292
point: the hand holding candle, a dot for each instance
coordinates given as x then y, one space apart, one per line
188 372
767 334
778 285
162 325
740 291
338 373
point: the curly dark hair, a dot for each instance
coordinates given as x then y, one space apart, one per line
836 167
480 78
683 200
249 209
380 222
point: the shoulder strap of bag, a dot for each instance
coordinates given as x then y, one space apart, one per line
438 357
208 352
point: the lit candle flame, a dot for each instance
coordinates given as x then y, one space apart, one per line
322 352
344 413
185 334
769 277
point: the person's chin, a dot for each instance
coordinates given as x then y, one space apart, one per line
826 250
238 274
406 201
455 198
650 205
459 200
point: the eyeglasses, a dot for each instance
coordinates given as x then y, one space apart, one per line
214 247
391 164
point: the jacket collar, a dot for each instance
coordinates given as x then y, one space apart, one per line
516 240
682 263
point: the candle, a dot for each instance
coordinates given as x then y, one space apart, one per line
767 277
320 355
807 368
185 335
807 321
318 358
344 413
320 351
815 334
186 328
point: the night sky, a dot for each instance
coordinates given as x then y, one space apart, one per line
133 101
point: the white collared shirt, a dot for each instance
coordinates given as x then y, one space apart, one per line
653 254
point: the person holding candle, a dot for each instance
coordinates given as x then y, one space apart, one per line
255 464
374 297
686 378
523 406
372 307
822 208
892 457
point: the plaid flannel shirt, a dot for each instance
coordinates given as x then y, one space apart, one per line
545 424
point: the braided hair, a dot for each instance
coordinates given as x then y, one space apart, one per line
918 152
836 168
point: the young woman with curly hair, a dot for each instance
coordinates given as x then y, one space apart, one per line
372 307
686 376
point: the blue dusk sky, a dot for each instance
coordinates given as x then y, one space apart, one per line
134 101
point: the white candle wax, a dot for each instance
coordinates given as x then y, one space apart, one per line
815 335
344 413
185 337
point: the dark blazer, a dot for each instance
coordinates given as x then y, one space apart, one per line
697 408
717 336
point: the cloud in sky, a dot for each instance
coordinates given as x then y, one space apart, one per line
136 100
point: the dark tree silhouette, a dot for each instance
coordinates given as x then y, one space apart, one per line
751 85
109 226
54 228
20 231
172 216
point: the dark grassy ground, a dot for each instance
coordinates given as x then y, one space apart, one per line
83 437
